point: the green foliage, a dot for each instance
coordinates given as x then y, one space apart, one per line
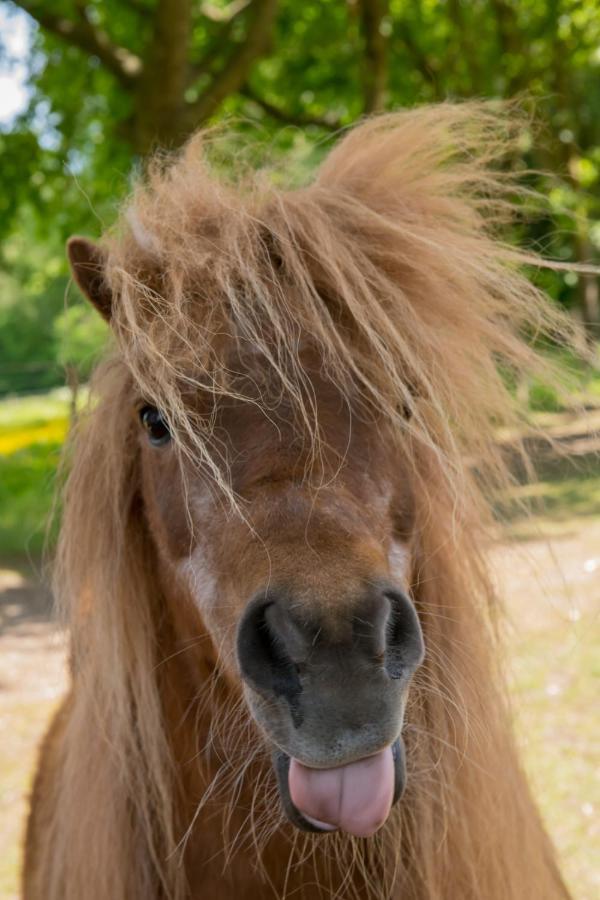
67 160
33 282
32 431
44 324
543 398
80 336
26 492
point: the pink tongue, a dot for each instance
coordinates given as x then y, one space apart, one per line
356 798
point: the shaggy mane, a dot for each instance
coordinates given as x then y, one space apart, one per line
388 264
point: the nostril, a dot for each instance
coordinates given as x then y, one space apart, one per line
404 639
264 660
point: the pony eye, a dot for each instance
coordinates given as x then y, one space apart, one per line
156 427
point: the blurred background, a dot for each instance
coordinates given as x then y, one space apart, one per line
88 88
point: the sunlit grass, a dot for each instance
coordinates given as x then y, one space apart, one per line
27 479
33 409
48 433
32 431
552 507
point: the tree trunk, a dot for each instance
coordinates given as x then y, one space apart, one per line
160 94
375 62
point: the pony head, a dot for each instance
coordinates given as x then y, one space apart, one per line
286 431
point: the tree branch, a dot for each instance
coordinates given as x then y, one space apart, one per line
224 14
87 37
372 14
300 120
235 71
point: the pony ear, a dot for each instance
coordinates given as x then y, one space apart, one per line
87 262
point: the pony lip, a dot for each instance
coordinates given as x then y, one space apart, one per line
355 798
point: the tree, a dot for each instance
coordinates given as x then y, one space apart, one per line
79 335
113 79
176 62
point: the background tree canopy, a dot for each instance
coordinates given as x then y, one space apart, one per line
111 80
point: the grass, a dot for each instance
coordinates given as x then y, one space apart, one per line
46 433
551 507
33 410
32 431
578 381
27 479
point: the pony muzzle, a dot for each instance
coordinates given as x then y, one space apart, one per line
330 698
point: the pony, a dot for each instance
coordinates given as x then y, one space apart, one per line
286 676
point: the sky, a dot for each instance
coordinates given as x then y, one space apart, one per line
15 42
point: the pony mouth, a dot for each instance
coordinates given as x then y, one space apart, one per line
355 798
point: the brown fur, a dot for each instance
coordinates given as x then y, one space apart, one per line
327 358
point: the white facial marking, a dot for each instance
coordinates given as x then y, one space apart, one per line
195 571
399 561
146 240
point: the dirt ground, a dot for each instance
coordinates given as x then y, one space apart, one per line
553 594
32 679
